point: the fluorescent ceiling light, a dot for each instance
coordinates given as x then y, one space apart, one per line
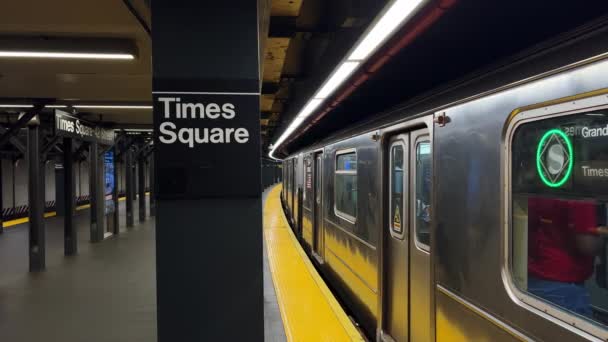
16 106
56 106
390 20
68 55
383 28
337 78
309 108
111 107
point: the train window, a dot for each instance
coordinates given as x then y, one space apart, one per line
345 186
423 194
559 177
397 214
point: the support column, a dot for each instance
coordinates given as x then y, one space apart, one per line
115 190
152 198
1 199
208 192
36 200
129 187
141 187
70 238
95 171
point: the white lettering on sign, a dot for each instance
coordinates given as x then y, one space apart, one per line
594 172
173 108
594 132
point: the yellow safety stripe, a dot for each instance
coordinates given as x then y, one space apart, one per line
309 310
15 222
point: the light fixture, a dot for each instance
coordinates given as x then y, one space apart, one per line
65 55
388 21
309 108
112 107
383 28
16 106
67 48
56 106
337 78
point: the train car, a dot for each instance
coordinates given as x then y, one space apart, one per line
475 212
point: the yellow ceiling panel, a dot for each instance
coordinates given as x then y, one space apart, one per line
274 58
286 8
266 102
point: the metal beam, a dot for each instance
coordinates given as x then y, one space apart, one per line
50 144
270 88
37 236
282 27
23 120
14 140
70 236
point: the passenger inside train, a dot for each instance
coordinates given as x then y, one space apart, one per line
560 214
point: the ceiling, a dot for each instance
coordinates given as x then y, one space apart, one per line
98 81
459 46
300 42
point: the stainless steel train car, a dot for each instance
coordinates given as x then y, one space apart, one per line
462 214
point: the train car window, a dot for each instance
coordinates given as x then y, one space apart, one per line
559 176
345 187
423 194
397 213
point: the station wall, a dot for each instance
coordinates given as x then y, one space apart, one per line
15 184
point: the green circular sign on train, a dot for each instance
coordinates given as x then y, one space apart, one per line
554 158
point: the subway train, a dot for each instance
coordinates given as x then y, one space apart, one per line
475 212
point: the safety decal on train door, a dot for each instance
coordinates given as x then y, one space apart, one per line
397 220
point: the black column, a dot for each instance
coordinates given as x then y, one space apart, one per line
205 55
152 190
70 239
36 200
129 186
115 190
97 227
1 200
141 179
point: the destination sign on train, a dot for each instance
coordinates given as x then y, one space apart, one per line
572 154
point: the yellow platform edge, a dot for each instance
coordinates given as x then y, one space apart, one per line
15 222
309 310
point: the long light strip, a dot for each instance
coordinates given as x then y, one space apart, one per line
66 55
396 14
78 106
16 106
337 78
111 107
309 108
390 20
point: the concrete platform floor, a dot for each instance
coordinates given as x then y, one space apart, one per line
107 293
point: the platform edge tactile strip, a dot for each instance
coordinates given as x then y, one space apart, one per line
309 310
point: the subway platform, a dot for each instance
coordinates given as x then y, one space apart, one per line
105 293
308 309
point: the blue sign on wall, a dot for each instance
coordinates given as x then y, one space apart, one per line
109 181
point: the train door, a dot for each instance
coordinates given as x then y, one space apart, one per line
395 322
318 205
407 269
420 235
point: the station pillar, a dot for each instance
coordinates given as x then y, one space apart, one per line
37 236
141 187
152 198
129 186
1 201
70 240
96 194
115 190
207 170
